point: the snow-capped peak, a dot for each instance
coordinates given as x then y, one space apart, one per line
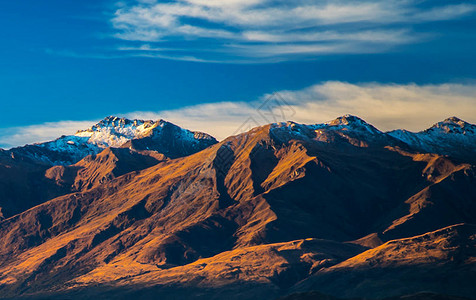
453 125
350 122
347 119
348 128
114 132
452 136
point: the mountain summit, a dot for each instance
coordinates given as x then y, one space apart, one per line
453 137
114 131
352 122
161 136
453 125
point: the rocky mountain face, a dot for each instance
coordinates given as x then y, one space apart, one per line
340 208
32 174
161 136
452 136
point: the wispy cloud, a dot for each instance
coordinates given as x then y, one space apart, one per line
387 106
18 136
275 27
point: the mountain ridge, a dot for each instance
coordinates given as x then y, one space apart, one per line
286 201
114 132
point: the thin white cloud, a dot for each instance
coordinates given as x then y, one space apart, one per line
225 3
275 25
276 47
388 36
19 136
387 106
447 12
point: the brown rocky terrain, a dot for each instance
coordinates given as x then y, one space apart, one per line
23 184
343 209
440 261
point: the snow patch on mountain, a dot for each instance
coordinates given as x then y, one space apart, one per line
349 122
114 131
109 132
452 136
343 123
350 128
453 125
447 137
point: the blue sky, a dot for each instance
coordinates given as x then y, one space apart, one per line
79 61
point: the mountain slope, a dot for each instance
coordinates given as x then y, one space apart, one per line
282 190
94 170
23 184
442 261
32 174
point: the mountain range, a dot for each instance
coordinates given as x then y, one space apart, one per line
146 209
